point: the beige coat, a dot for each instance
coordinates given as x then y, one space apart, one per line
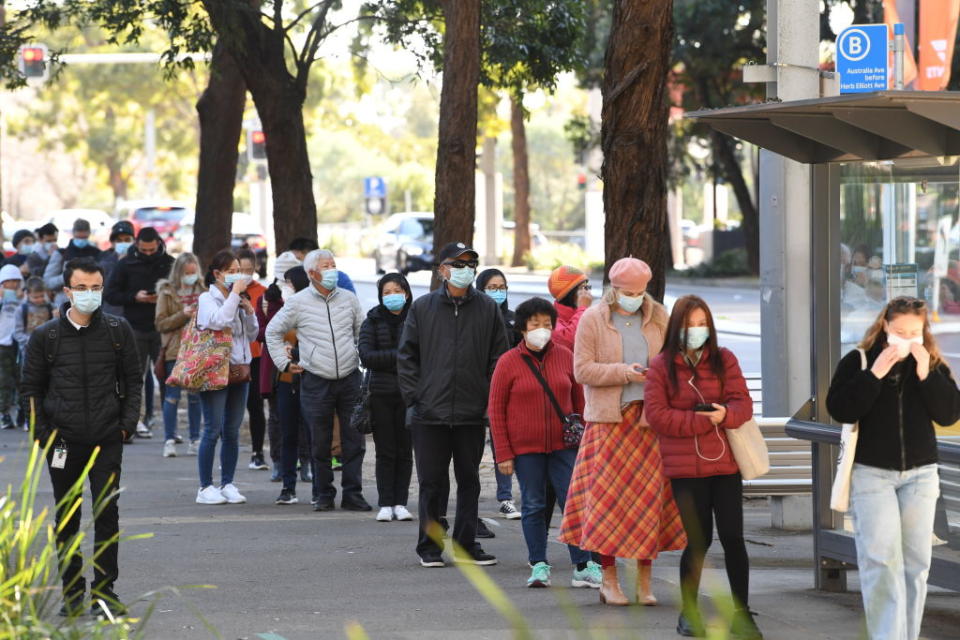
170 318
598 357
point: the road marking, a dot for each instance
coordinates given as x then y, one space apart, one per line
238 517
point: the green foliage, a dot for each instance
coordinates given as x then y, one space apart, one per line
729 264
557 254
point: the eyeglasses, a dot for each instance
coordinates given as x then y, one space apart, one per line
463 264
906 302
95 288
495 288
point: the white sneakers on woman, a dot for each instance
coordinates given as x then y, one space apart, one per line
213 495
399 512
385 514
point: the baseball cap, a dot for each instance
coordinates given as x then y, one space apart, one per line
123 227
453 250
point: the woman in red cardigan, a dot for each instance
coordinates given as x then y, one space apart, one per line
690 374
528 432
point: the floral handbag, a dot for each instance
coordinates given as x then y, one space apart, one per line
203 362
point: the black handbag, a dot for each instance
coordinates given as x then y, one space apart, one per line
362 418
572 423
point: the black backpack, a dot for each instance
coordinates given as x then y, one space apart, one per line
52 346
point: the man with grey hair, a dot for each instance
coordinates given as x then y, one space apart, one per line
327 321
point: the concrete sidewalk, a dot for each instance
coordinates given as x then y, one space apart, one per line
298 574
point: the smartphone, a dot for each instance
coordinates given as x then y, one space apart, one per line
704 407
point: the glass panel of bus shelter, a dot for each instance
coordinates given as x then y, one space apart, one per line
900 235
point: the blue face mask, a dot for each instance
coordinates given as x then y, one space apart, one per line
10 295
87 301
232 278
499 296
81 243
694 337
25 249
123 247
191 279
330 278
395 301
462 278
630 304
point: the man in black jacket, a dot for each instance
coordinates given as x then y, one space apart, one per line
448 350
133 286
81 378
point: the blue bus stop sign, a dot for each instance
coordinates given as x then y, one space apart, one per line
374 187
863 58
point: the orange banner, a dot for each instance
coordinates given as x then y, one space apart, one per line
891 16
938 32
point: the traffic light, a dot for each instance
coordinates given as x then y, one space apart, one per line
582 181
33 62
257 146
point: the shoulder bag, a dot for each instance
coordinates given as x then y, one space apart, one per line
840 492
572 423
749 450
203 361
362 418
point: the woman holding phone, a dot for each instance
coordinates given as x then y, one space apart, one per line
620 503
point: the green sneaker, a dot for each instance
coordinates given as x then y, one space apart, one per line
540 576
335 463
591 577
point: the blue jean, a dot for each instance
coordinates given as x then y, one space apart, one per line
893 515
534 472
171 402
222 414
504 482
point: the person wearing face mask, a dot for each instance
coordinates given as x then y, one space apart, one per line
177 298
23 241
379 339
570 289
79 246
43 249
691 373
620 503
528 433
11 285
327 322
257 423
133 286
121 240
904 389
81 377
450 344
224 307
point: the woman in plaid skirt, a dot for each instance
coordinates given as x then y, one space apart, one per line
620 503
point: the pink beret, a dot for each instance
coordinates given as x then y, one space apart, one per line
630 274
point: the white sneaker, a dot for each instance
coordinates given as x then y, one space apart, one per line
385 514
231 494
170 449
509 510
210 495
143 431
401 513
193 447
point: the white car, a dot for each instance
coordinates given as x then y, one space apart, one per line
100 224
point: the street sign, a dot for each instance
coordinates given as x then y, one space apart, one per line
901 280
863 58
374 187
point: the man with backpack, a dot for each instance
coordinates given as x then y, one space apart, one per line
81 379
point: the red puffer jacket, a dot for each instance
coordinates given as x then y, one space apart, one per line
682 432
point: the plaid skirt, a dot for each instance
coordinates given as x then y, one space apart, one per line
620 503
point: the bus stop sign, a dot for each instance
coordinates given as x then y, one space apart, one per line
863 58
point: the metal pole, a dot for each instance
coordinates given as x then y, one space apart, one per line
898 46
150 148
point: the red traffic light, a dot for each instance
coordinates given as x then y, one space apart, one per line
582 181
258 137
33 62
32 54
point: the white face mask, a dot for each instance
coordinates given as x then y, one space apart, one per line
286 292
538 338
902 344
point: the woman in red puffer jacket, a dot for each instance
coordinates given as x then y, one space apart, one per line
693 372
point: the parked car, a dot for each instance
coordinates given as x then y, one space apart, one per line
405 243
162 215
246 233
100 224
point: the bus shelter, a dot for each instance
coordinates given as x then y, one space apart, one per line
885 222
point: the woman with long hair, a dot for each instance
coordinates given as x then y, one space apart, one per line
224 307
905 388
176 305
620 503
695 392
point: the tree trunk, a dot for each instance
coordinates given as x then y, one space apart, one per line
521 181
723 148
634 135
220 109
455 200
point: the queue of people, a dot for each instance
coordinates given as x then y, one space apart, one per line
617 412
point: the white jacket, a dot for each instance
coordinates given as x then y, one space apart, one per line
327 332
214 311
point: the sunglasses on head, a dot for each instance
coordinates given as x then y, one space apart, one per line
462 264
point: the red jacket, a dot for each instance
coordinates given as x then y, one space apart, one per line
681 430
568 318
522 418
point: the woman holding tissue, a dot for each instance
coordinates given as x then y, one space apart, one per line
224 306
905 388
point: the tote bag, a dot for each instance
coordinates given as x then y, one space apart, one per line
203 362
749 450
840 492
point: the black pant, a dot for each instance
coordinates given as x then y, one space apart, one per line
274 434
319 399
288 415
700 500
394 450
435 446
148 348
104 480
258 424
